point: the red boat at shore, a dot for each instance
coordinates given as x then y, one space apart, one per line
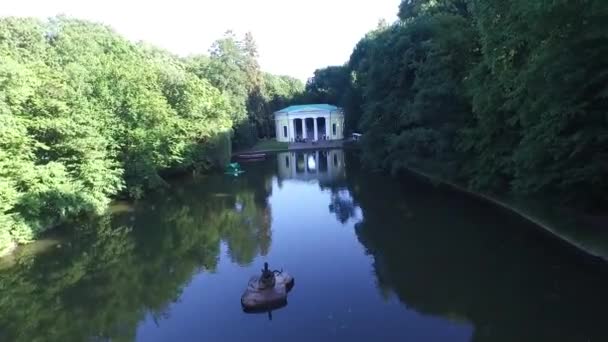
251 156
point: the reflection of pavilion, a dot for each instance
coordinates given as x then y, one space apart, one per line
324 165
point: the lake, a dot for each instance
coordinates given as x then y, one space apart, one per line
374 258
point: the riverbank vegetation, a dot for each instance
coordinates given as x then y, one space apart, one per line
505 96
86 116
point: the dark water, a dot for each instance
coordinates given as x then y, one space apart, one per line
374 259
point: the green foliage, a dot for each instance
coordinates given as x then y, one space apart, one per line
253 95
276 92
412 9
548 80
328 85
413 108
504 95
86 115
225 68
335 85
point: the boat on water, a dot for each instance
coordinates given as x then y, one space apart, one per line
267 292
234 169
251 155
252 160
234 173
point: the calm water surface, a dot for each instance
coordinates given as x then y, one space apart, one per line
374 259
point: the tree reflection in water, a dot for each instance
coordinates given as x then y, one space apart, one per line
439 253
447 255
115 270
343 206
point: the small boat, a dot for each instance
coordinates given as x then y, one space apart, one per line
252 155
233 169
267 292
252 160
234 173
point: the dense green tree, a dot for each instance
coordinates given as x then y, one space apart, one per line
548 79
412 9
328 85
225 69
254 95
413 109
274 93
501 95
86 115
336 85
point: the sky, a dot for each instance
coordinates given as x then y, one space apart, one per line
294 37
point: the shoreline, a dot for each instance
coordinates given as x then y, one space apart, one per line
542 223
323 145
14 247
545 224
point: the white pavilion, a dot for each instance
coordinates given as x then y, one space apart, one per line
311 122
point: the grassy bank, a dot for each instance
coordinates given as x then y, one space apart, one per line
265 145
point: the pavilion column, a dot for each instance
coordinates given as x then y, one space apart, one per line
316 132
327 136
292 130
303 128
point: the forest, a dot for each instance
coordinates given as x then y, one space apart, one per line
87 116
502 96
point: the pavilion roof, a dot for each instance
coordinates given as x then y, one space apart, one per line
308 108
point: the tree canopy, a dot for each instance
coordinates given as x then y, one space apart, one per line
86 115
501 95
253 94
504 96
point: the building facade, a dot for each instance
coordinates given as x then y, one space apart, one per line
309 123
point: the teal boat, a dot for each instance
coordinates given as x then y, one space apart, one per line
233 169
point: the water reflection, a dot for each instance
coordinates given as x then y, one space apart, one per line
117 270
326 166
450 256
343 206
374 258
